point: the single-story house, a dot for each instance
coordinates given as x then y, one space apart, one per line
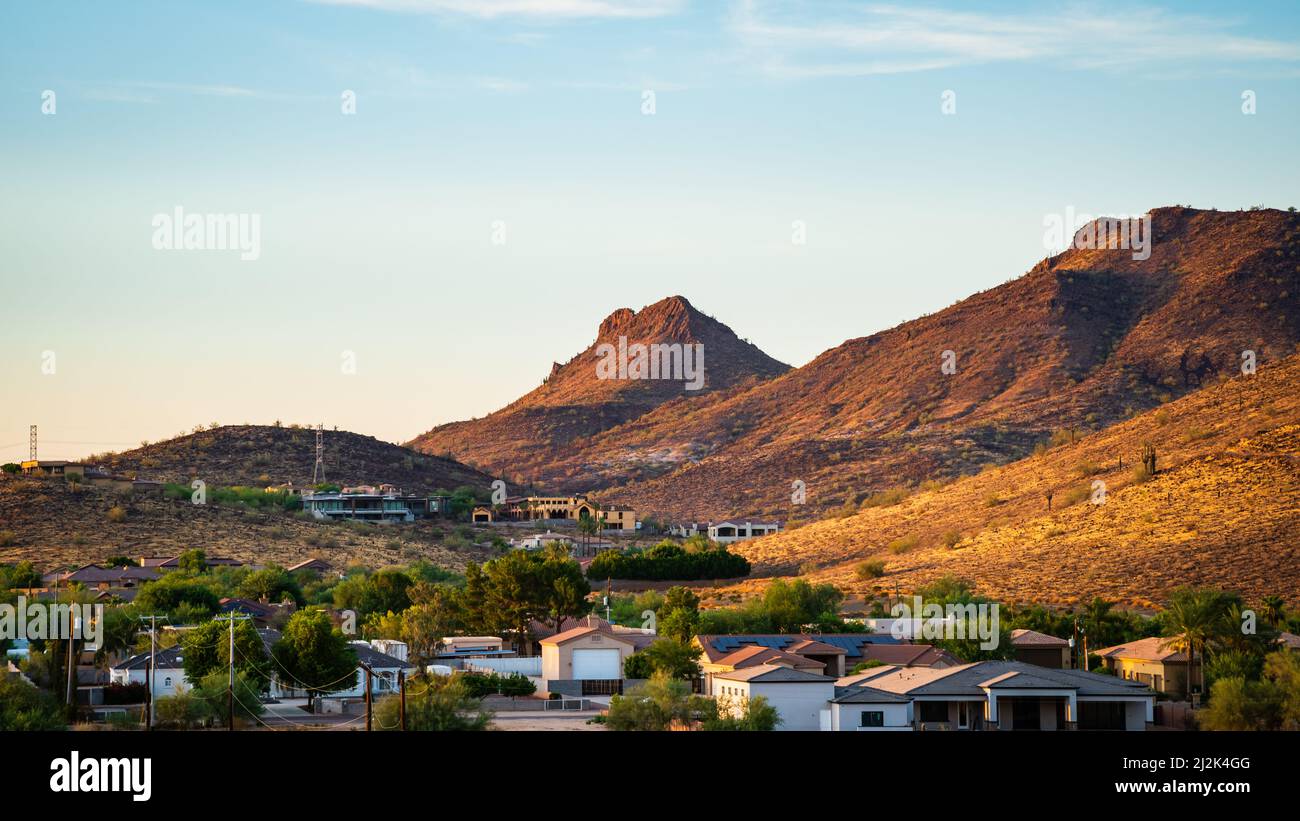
102 578
1012 695
728 532
1033 647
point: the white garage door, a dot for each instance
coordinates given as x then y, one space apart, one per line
595 664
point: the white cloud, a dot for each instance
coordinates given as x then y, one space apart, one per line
490 9
786 39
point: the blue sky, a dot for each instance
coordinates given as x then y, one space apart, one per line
377 227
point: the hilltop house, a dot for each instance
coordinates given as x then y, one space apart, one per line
725 532
552 508
367 503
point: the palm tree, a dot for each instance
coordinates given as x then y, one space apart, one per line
1273 609
1194 617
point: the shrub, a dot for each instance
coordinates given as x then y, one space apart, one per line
117 514
8 538
871 569
903 544
1141 474
668 560
951 539
886 498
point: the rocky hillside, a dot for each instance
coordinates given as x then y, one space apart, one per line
1223 509
1083 340
54 524
529 437
262 454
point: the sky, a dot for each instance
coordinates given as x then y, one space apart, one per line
451 194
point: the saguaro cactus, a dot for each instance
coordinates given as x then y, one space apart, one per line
1149 458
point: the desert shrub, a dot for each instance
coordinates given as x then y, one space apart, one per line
117 514
871 569
993 499
8 538
886 498
1141 474
1085 469
951 539
1077 495
903 544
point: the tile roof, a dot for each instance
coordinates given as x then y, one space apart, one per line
773 674
971 679
716 645
1155 648
1032 638
753 654
580 632
866 695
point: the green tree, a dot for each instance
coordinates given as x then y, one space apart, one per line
271 584
433 703
192 561
655 705
213 693
565 589
24 707
1193 618
206 650
314 656
743 715
673 658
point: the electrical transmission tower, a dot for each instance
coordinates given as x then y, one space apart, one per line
31 443
319 467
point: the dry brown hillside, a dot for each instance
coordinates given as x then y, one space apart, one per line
1223 510
53 524
535 433
255 455
1084 339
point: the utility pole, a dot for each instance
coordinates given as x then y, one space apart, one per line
401 685
149 671
230 692
31 443
369 700
72 664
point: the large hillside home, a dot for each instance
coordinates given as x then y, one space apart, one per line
1152 662
383 504
553 508
728 532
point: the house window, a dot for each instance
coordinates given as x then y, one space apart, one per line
167 682
933 710
873 718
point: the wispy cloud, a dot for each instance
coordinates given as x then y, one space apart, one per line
790 40
489 9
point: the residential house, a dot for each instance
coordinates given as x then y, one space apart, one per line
799 696
585 661
262 613
1033 647
1012 695
549 508
735 531
837 653
318 565
95 577
1152 662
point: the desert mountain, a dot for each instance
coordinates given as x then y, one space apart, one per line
1223 509
1084 339
263 454
575 403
